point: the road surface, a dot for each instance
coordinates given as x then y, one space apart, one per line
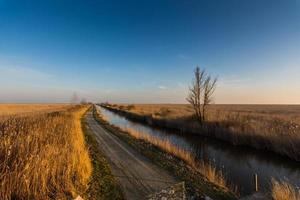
137 175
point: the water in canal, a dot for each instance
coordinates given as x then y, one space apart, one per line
238 164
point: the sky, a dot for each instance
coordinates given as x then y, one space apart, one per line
145 51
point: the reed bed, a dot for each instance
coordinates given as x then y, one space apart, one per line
282 190
18 109
207 170
43 155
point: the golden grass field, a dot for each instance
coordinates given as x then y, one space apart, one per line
218 112
43 154
13 109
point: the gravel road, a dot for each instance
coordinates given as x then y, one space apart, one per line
137 175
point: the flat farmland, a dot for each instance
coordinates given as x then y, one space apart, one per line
173 111
14 109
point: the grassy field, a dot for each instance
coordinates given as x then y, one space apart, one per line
271 127
17 109
43 154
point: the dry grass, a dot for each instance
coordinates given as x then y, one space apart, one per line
272 127
207 170
17 109
43 155
284 191
288 112
265 114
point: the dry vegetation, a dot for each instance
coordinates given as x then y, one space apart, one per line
284 191
17 109
272 127
43 154
207 170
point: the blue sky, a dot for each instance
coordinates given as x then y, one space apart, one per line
145 51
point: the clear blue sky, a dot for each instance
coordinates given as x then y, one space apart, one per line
145 51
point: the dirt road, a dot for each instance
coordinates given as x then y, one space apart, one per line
138 176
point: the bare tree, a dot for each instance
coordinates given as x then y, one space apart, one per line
200 93
195 89
209 88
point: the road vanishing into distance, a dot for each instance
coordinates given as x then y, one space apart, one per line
137 175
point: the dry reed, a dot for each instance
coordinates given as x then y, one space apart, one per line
282 190
17 109
206 169
43 155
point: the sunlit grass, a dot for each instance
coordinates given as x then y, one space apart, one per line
206 169
282 190
43 155
17 109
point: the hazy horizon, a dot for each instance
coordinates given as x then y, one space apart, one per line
146 51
